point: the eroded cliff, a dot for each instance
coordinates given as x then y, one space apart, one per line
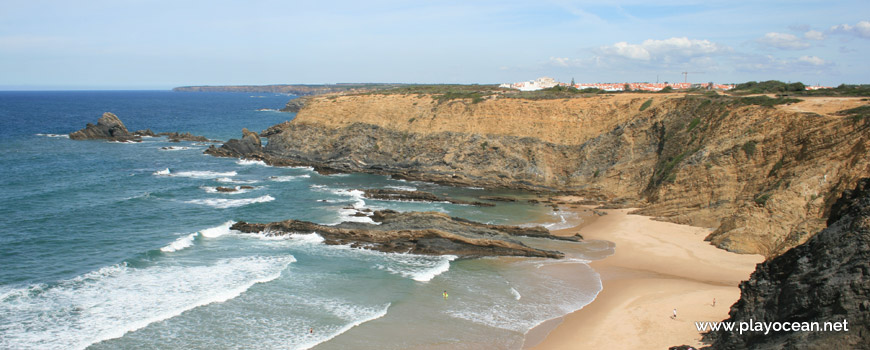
763 177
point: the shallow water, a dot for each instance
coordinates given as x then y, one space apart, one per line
122 246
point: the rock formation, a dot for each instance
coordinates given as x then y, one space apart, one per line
108 127
418 233
826 279
249 145
764 177
415 196
187 136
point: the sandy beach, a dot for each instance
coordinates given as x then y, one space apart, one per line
657 267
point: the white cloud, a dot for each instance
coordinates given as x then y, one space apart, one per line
772 64
814 35
862 29
783 41
665 50
813 60
631 51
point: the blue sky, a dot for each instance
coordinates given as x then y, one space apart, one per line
153 44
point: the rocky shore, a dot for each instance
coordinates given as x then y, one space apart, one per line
426 233
763 176
826 279
416 196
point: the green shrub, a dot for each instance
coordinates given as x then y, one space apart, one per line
645 105
749 148
693 124
761 199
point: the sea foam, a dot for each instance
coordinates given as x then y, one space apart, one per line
114 300
223 203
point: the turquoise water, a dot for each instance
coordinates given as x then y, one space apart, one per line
127 245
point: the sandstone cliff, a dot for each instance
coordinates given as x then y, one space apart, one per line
827 279
763 177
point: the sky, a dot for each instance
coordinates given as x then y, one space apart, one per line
156 44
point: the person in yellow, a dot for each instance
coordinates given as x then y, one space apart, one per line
445 295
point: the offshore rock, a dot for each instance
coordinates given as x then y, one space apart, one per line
187 136
415 196
108 127
426 233
826 279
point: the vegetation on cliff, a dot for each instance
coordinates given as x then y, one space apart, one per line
761 172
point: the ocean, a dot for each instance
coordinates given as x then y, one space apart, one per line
127 245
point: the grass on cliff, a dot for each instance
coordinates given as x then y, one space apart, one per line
856 114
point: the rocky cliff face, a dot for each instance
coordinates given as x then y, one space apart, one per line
827 279
108 127
763 177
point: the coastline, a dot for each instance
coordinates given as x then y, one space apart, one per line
657 266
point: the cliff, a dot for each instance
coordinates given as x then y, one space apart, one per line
762 175
827 279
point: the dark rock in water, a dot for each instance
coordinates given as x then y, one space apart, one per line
248 146
498 198
533 201
359 214
826 279
108 127
418 233
246 187
415 196
226 189
146 132
178 137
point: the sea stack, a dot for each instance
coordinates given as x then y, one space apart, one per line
109 127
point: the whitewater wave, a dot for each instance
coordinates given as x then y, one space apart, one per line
238 189
54 135
288 178
367 314
223 203
421 268
195 174
188 240
251 162
516 294
567 219
401 188
235 181
112 301
180 243
174 148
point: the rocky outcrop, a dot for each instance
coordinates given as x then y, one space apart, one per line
415 196
417 233
763 177
248 146
295 105
146 132
187 136
826 279
108 127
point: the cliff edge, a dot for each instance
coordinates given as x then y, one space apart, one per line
827 279
762 173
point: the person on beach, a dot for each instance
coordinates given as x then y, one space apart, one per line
675 314
445 295
714 302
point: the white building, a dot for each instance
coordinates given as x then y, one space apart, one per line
532 85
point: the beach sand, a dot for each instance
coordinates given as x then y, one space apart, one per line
656 267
